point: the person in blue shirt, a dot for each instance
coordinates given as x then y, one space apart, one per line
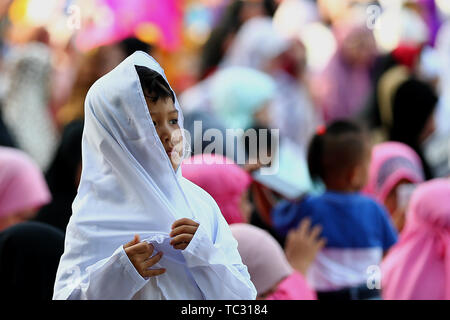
358 230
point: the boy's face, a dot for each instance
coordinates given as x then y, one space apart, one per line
165 120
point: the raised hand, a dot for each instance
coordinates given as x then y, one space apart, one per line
302 245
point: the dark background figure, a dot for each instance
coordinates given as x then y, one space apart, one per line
6 139
29 258
414 104
63 177
221 36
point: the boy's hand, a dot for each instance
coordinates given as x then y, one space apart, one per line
183 231
302 245
139 254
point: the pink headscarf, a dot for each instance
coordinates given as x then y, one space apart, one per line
391 162
22 185
267 264
342 88
418 266
224 180
288 289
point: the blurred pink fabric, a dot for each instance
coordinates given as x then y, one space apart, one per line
343 86
22 185
418 266
224 180
294 287
126 16
392 162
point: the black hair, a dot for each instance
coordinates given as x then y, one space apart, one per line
131 45
153 85
340 146
229 24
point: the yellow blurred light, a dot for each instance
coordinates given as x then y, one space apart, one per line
17 11
148 32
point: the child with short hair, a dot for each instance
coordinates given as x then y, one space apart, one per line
357 229
131 185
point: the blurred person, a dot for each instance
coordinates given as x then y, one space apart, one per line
6 138
93 65
270 271
443 49
235 15
342 88
390 68
393 166
26 242
63 177
412 117
260 46
417 267
22 187
26 110
357 229
234 98
131 184
225 181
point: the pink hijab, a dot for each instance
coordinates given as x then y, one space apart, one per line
418 266
268 266
392 162
224 180
342 88
22 185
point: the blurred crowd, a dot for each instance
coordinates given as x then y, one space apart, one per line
359 91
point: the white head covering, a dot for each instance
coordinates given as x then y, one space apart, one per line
256 43
127 187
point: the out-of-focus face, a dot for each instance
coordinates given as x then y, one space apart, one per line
251 9
359 48
17 217
165 119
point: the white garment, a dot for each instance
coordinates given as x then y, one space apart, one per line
127 187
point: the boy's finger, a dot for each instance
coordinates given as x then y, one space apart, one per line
181 246
150 262
132 242
183 229
142 248
181 238
184 221
153 272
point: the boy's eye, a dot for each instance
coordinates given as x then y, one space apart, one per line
173 121
154 123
